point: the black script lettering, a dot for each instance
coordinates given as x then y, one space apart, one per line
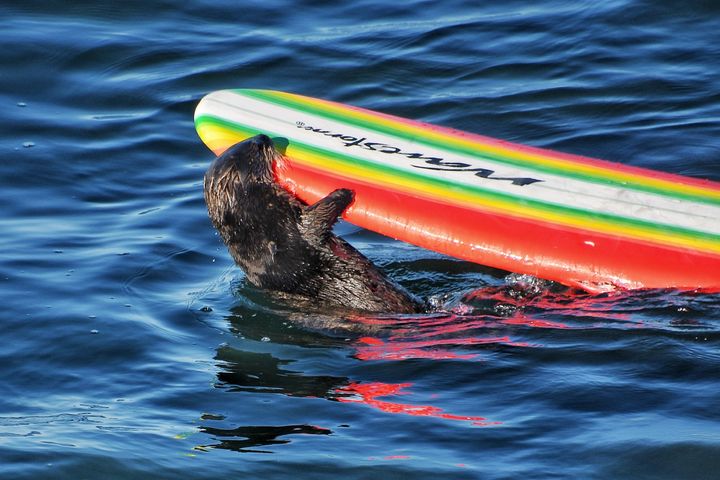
389 149
353 142
442 163
327 133
430 163
486 173
420 156
372 145
435 160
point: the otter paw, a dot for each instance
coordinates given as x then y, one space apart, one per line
344 194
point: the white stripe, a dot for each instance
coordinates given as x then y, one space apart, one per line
554 189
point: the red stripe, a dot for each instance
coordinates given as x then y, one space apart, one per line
570 256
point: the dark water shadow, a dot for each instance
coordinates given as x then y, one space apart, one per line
247 439
243 371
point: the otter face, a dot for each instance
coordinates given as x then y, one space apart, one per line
244 164
248 161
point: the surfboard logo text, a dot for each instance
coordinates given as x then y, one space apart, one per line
429 163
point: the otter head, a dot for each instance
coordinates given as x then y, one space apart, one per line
248 161
240 166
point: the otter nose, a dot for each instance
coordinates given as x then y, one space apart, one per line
262 140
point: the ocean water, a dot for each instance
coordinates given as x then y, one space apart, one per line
133 348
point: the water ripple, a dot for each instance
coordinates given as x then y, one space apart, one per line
125 322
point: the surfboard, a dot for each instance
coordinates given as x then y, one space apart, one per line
580 221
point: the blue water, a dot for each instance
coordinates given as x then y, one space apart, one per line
133 348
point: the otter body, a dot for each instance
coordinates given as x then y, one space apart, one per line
286 246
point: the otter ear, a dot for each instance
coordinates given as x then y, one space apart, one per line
319 218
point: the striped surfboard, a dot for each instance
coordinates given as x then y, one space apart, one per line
583 222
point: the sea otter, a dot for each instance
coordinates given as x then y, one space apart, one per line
288 247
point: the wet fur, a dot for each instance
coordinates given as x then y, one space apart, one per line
286 246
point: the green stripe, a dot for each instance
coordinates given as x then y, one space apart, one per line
476 192
269 96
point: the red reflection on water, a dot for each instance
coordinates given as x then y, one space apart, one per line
368 394
584 305
454 324
377 349
530 322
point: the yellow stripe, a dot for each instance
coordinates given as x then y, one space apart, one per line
537 158
465 199
218 138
